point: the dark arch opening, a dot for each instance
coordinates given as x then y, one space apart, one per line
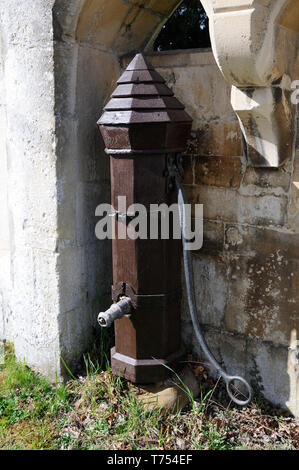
187 28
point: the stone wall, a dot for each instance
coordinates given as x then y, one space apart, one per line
28 279
4 220
246 274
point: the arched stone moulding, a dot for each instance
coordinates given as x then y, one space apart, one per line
255 43
118 27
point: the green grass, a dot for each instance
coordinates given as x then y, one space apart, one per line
101 411
29 406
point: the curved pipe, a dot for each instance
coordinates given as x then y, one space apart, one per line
118 310
192 308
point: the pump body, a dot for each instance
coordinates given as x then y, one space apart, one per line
143 126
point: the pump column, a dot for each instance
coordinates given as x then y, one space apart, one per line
143 126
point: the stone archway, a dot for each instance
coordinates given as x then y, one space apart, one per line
289 17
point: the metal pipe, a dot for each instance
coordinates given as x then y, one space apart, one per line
192 308
121 308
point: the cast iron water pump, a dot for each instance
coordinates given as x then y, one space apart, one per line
144 126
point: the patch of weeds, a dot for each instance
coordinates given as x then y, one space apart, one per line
217 440
24 390
102 411
29 405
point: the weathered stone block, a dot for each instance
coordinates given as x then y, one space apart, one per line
188 167
72 274
213 237
229 205
186 322
219 138
88 197
218 171
94 67
228 349
67 211
210 288
75 328
267 179
91 160
263 297
31 27
45 359
214 122
67 149
268 366
65 18
293 215
264 240
65 64
99 274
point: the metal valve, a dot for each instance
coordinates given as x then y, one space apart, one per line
118 310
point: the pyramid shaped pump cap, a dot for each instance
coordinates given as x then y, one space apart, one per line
140 63
143 116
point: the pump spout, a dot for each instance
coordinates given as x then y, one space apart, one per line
118 310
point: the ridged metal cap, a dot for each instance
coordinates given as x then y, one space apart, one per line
142 99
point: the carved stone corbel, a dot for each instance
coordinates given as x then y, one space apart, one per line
255 43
